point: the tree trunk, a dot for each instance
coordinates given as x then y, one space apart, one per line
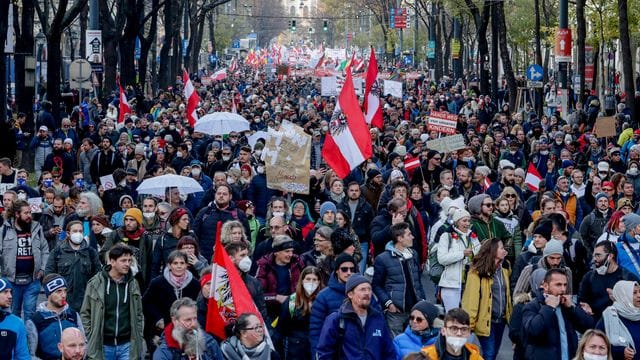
581 37
504 54
164 72
54 64
24 46
212 35
538 55
439 55
146 42
4 24
627 59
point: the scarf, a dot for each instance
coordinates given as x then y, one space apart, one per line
178 282
233 349
134 235
622 307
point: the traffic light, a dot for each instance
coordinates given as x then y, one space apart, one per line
289 27
293 25
325 25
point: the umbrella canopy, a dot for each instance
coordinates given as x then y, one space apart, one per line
157 185
220 123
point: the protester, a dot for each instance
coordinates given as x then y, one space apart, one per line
248 341
421 331
620 321
453 339
16 346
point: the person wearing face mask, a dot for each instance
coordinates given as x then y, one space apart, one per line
76 261
569 201
239 254
594 223
594 345
194 200
628 244
597 284
621 321
633 175
423 329
295 315
453 340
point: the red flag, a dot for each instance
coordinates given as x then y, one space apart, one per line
230 296
372 106
192 97
234 65
533 178
487 183
411 162
348 143
125 108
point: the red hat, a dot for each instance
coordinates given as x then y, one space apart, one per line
205 279
176 214
608 183
246 167
637 132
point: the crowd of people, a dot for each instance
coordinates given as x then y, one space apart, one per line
437 261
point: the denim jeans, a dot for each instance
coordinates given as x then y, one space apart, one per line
364 247
25 298
116 352
491 344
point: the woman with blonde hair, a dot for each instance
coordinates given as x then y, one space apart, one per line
511 222
594 345
233 231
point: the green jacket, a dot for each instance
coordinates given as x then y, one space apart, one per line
493 229
92 315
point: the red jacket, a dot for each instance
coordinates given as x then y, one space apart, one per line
269 279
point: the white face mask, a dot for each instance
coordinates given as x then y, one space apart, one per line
195 172
148 215
179 154
226 158
544 152
230 180
588 356
260 169
278 213
123 183
22 196
325 128
633 171
456 343
245 264
172 127
76 238
189 147
310 287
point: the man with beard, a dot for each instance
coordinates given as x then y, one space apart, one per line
132 234
239 254
356 330
60 159
73 344
106 161
53 316
466 186
88 206
13 343
151 222
508 179
594 223
184 338
429 173
483 222
24 255
373 187
52 220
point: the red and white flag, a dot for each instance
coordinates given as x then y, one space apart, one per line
229 295
192 97
219 75
486 183
411 163
533 178
348 143
234 65
372 106
125 108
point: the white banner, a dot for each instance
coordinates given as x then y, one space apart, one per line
329 86
394 88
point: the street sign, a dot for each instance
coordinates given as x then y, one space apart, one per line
408 59
401 18
535 72
235 44
93 51
534 84
455 49
80 74
431 49
563 45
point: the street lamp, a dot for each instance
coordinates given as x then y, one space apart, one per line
40 41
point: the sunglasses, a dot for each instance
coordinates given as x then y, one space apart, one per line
510 195
417 319
490 205
346 269
607 189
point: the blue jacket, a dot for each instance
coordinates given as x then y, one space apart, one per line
389 281
542 333
13 337
624 260
259 194
368 342
194 200
44 330
328 300
408 342
206 224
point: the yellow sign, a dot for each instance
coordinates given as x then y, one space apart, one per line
455 49
287 157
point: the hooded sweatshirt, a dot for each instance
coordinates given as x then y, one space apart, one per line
117 330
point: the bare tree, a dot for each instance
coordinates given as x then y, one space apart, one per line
627 65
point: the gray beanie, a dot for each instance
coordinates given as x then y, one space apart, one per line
353 281
631 221
475 203
553 247
537 276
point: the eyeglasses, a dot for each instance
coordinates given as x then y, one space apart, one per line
458 329
600 256
417 319
437 158
489 205
510 195
255 328
226 153
163 213
57 176
346 269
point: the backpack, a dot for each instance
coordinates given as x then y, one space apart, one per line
435 268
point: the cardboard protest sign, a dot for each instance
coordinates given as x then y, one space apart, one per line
605 127
287 157
447 144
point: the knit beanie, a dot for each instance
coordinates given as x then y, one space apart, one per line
341 240
601 195
631 221
101 219
341 259
372 173
205 279
134 213
282 242
123 197
543 229
459 214
553 247
54 284
176 214
353 281
475 203
5 284
327 206
427 309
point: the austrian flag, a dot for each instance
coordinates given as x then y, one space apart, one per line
348 143
533 178
191 95
372 106
124 108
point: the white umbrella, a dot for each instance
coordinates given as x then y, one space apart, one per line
158 185
220 123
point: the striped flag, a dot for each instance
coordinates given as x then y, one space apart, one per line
348 142
124 108
372 106
533 178
191 95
